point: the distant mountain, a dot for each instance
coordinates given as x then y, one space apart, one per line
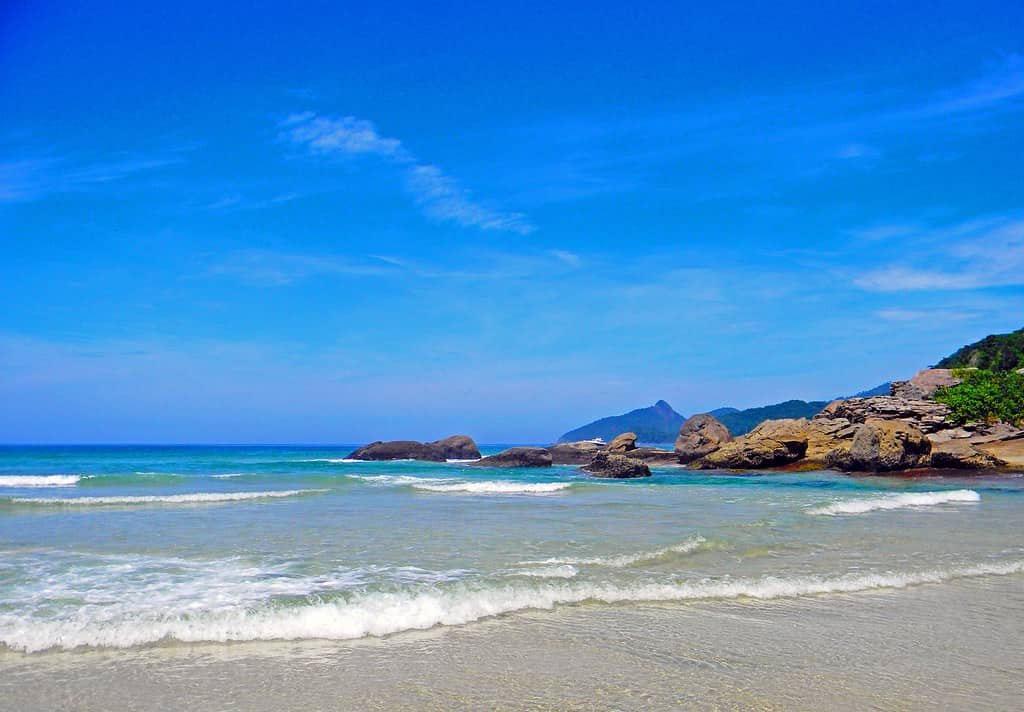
879 390
719 412
657 424
997 352
741 422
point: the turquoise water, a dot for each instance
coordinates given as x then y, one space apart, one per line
125 547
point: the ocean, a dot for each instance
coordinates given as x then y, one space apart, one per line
290 577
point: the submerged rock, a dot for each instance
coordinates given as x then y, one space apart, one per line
700 435
517 457
616 466
577 453
883 446
623 443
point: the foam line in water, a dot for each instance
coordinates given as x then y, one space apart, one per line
896 501
496 487
192 498
623 560
383 613
39 480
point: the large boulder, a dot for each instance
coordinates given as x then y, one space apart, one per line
615 466
883 446
963 455
925 415
457 447
770 444
517 457
623 443
653 456
700 435
577 453
924 384
398 450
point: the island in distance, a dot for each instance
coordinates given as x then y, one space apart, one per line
936 419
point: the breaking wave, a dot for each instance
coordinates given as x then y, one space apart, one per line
623 560
196 498
896 501
385 612
39 480
496 487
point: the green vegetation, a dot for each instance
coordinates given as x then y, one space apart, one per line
985 396
998 352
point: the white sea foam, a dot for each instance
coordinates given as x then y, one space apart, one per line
896 501
39 480
191 498
457 460
623 560
563 571
333 460
400 480
228 476
382 613
497 487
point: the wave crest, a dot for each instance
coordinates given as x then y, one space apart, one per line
39 480
897 501
195 498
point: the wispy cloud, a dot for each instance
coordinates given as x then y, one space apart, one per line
272 268
925 315
1005 82
437 194
974 254
34 178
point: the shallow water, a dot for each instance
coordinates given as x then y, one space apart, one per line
128 556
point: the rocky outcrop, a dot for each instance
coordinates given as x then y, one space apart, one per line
963 455
700 435
925 415
577 453
456 447
398 450
517 457
883 446
615 466
924 384
653 456
770 444
623 443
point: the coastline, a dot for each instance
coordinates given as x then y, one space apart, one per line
953 646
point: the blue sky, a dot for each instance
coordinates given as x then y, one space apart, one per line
344 222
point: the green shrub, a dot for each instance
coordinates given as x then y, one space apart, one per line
985 397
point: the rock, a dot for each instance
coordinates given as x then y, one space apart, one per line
924 384
653 456
770 444
398 450
623 443
826 435
580 452
617 466
925 415
963 455
883 446
517 457
457 447
1009 450
700 435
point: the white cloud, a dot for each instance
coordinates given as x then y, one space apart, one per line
975 254
439 195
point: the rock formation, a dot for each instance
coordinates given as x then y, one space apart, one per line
456 447
577 453
517 457
653 456
883 446
963 455
770 444
700 435
611 465
623 443
925 415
